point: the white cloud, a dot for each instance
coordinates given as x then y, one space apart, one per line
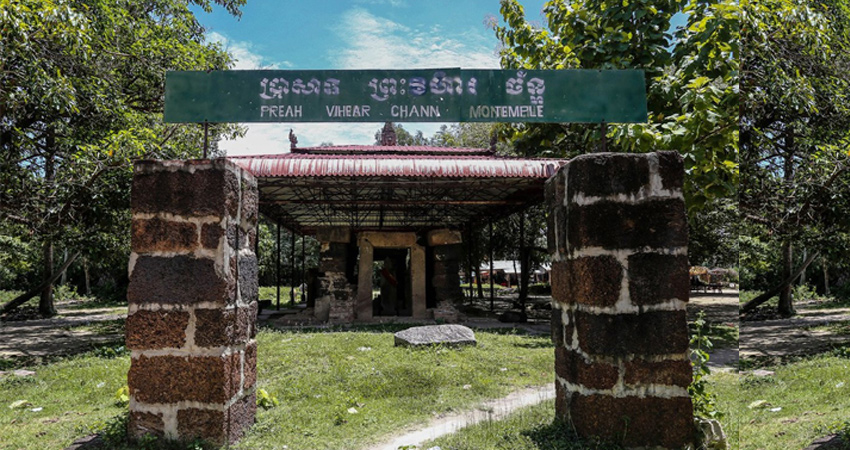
373 42
245 58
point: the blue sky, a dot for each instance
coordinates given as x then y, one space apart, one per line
354 34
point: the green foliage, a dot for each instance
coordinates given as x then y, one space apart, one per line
795 187
266 400
692 90
81 97
713 234
122 396
705 402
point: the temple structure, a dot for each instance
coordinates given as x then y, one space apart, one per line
392 217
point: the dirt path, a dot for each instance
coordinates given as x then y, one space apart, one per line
491 410
793 336
720 309
57 336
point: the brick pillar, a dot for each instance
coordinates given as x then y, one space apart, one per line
193 300
445 277
335 294
618 238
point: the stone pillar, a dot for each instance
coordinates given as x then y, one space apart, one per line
445 278
363 310
192 300
618 238
335 296
417 281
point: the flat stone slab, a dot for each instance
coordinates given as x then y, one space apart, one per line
452 335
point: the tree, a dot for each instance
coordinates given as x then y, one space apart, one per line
81 97
692 91
403 137
794 130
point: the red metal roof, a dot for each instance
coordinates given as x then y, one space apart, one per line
389 165
392 149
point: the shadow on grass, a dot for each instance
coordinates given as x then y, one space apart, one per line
558 436
759 362
108 350
383 328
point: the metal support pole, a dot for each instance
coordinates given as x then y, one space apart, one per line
277 265
292 269
492 292
522 267
206 137
303 266
469 262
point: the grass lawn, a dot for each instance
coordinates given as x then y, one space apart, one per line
533 428
337 390
814 397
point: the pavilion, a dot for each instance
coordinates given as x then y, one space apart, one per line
400 208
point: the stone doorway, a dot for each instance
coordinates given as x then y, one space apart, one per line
391 294
401 275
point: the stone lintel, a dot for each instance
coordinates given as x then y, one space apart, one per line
444 236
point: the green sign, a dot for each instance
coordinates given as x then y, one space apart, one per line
420 95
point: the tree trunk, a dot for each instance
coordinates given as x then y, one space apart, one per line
64 279
45 304
786 301
786 306
86 274
803 275
825 277
752 304
21 299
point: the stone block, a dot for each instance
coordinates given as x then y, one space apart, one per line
648 333
611 225
241 415
249 289
562 405
250 202
634 421
219 327
333 259
572 367
557 327
211 234
656 278
592 281
449 335
671 167
145 423
172 379
670 373
560 281
388 239
250 370
446 312
207 424
339 235
156 329
604 174
157 235
444 236
181 279
191 190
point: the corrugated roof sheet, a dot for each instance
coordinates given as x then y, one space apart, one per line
426 166
392 149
